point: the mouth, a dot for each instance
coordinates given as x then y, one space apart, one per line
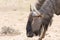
29 34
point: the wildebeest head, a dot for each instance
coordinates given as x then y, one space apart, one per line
31 30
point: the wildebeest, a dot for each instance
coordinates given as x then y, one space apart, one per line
41 17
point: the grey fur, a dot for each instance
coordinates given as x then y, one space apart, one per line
42 17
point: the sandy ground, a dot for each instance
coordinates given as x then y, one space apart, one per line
14 13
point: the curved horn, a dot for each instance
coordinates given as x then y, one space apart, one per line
35 12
